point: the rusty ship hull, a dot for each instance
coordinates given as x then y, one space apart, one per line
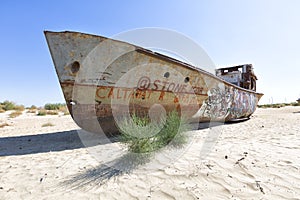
104 80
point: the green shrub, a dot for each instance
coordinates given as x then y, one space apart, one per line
54 106
8 105
141 136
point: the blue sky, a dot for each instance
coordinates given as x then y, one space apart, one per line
264 33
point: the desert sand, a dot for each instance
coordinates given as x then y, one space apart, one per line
254 159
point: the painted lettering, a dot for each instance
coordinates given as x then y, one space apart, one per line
164 85
155 84
171 87
125 92
111 93
98 92
118 94
161 96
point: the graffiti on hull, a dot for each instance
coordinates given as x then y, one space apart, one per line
228 102
243 104
218 103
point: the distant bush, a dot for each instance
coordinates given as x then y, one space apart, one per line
33 107
1 110
9 105
15 114
54 106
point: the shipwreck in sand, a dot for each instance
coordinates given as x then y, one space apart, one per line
104 80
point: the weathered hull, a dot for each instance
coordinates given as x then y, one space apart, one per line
104 80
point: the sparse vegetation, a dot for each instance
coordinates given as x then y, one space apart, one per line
15 114
53 109
279 105
33 107
47 124
9 105
48 109
141 136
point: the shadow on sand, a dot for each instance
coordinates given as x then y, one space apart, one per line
101 174
205 125
41 143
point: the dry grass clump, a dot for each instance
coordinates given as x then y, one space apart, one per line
51 112
31 111
64 110
19 108
15 114
47 124
42 112
3 125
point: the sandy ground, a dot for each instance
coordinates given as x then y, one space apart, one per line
254 159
